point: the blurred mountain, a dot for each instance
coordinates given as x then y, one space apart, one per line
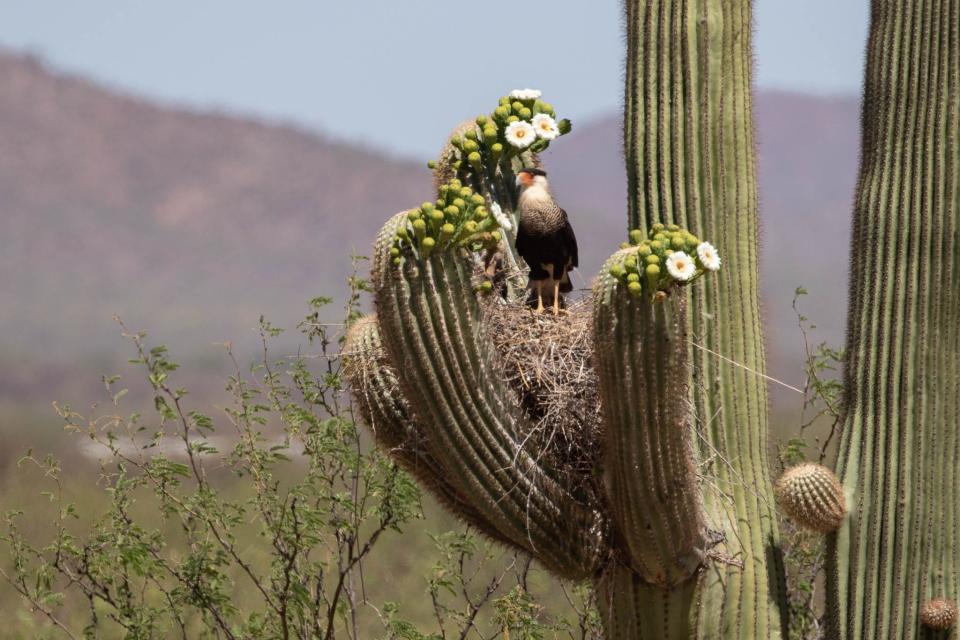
193 224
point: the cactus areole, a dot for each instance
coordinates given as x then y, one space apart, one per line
672 519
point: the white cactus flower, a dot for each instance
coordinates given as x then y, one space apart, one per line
525 94
681 266
520 134
709 257
545 126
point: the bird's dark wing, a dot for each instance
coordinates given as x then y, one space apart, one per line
569 240
522 240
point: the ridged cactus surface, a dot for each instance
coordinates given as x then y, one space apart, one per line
899 446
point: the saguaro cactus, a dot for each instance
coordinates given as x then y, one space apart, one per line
897 462
676 527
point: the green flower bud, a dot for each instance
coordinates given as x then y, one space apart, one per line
624 245
546 107
634 288
456 165
413 215
394 251
516 106
470 146
436 215
455 184
525 114
652 259
431 164
460 204
465 192
564 126
426 207
482 120
630 263
471 134
480 213
643 250
428 244
474 160
457 142
453 210
420 228
653 276
633 277
512 119
502 112
692 241
447 230
505 101
470 227
538 105
476 200
489 135
402 233
657 227
656 246
397 261
673 227
495 150
678 242
636 236
662 238
617 271
495 235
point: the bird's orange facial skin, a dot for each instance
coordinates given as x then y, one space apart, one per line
526 179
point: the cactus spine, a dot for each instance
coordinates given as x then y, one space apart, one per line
897 458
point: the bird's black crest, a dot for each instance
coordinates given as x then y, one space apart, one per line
536 172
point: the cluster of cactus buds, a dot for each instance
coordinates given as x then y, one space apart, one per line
667 255
460 217
521 122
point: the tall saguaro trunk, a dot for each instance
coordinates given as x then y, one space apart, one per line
901 437
689 146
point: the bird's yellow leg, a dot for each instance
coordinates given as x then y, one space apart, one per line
539 296
556 297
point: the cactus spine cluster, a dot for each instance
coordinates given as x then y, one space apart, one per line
898 452
812 496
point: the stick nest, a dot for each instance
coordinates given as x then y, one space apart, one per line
548 361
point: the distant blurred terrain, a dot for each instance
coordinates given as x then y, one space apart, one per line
191 225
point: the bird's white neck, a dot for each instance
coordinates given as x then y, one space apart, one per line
535 194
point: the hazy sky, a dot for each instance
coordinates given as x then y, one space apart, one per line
396 73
